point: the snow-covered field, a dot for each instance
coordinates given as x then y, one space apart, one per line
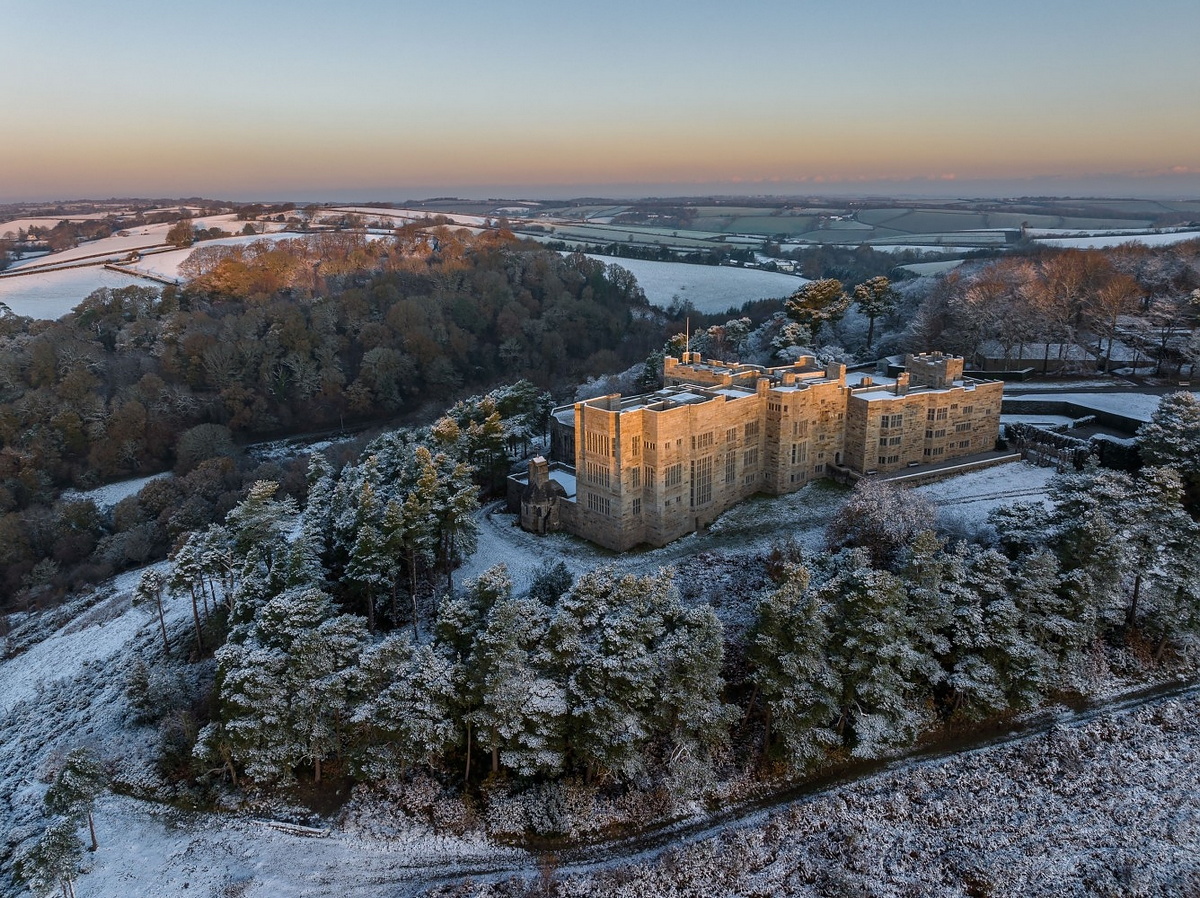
402 215
51 294
931 268
709 288
1164 239
111 493
166 264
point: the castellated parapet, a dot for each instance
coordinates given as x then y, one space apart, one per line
649 469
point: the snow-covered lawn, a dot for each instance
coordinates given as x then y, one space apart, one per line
51 294
751 526
709 288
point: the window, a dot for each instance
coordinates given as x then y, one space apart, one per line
701 481
637 506
939 450
597 443
674 476
883 441
649 476
942 414
599 504
891 421
731 435
750 458
964 444
702 441
799 428
636 447
964 427
751 429
635 477
650 446
889 459
968 410
731 467
597 474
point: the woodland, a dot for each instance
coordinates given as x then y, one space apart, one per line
321 333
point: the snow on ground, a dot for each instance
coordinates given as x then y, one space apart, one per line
710 288
1109 806
115 246
1038 420
967 499
111 493
751 527
404 215
10 228
166 264
927 269
68 690
51 294
1139 406
1040 386
99 633
1166 239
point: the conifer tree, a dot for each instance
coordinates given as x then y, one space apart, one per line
53 860
407 706
873 654
789 653
518 708
74 790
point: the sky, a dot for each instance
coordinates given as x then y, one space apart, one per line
389 99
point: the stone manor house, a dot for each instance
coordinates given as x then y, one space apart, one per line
627 470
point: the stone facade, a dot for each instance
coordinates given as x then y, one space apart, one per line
652 468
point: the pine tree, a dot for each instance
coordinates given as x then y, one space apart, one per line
258 520
519 709
689 659
818 304
150 590
74 790
408 705
789 655
53 860
603 641
874 655
874 298
1171 438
